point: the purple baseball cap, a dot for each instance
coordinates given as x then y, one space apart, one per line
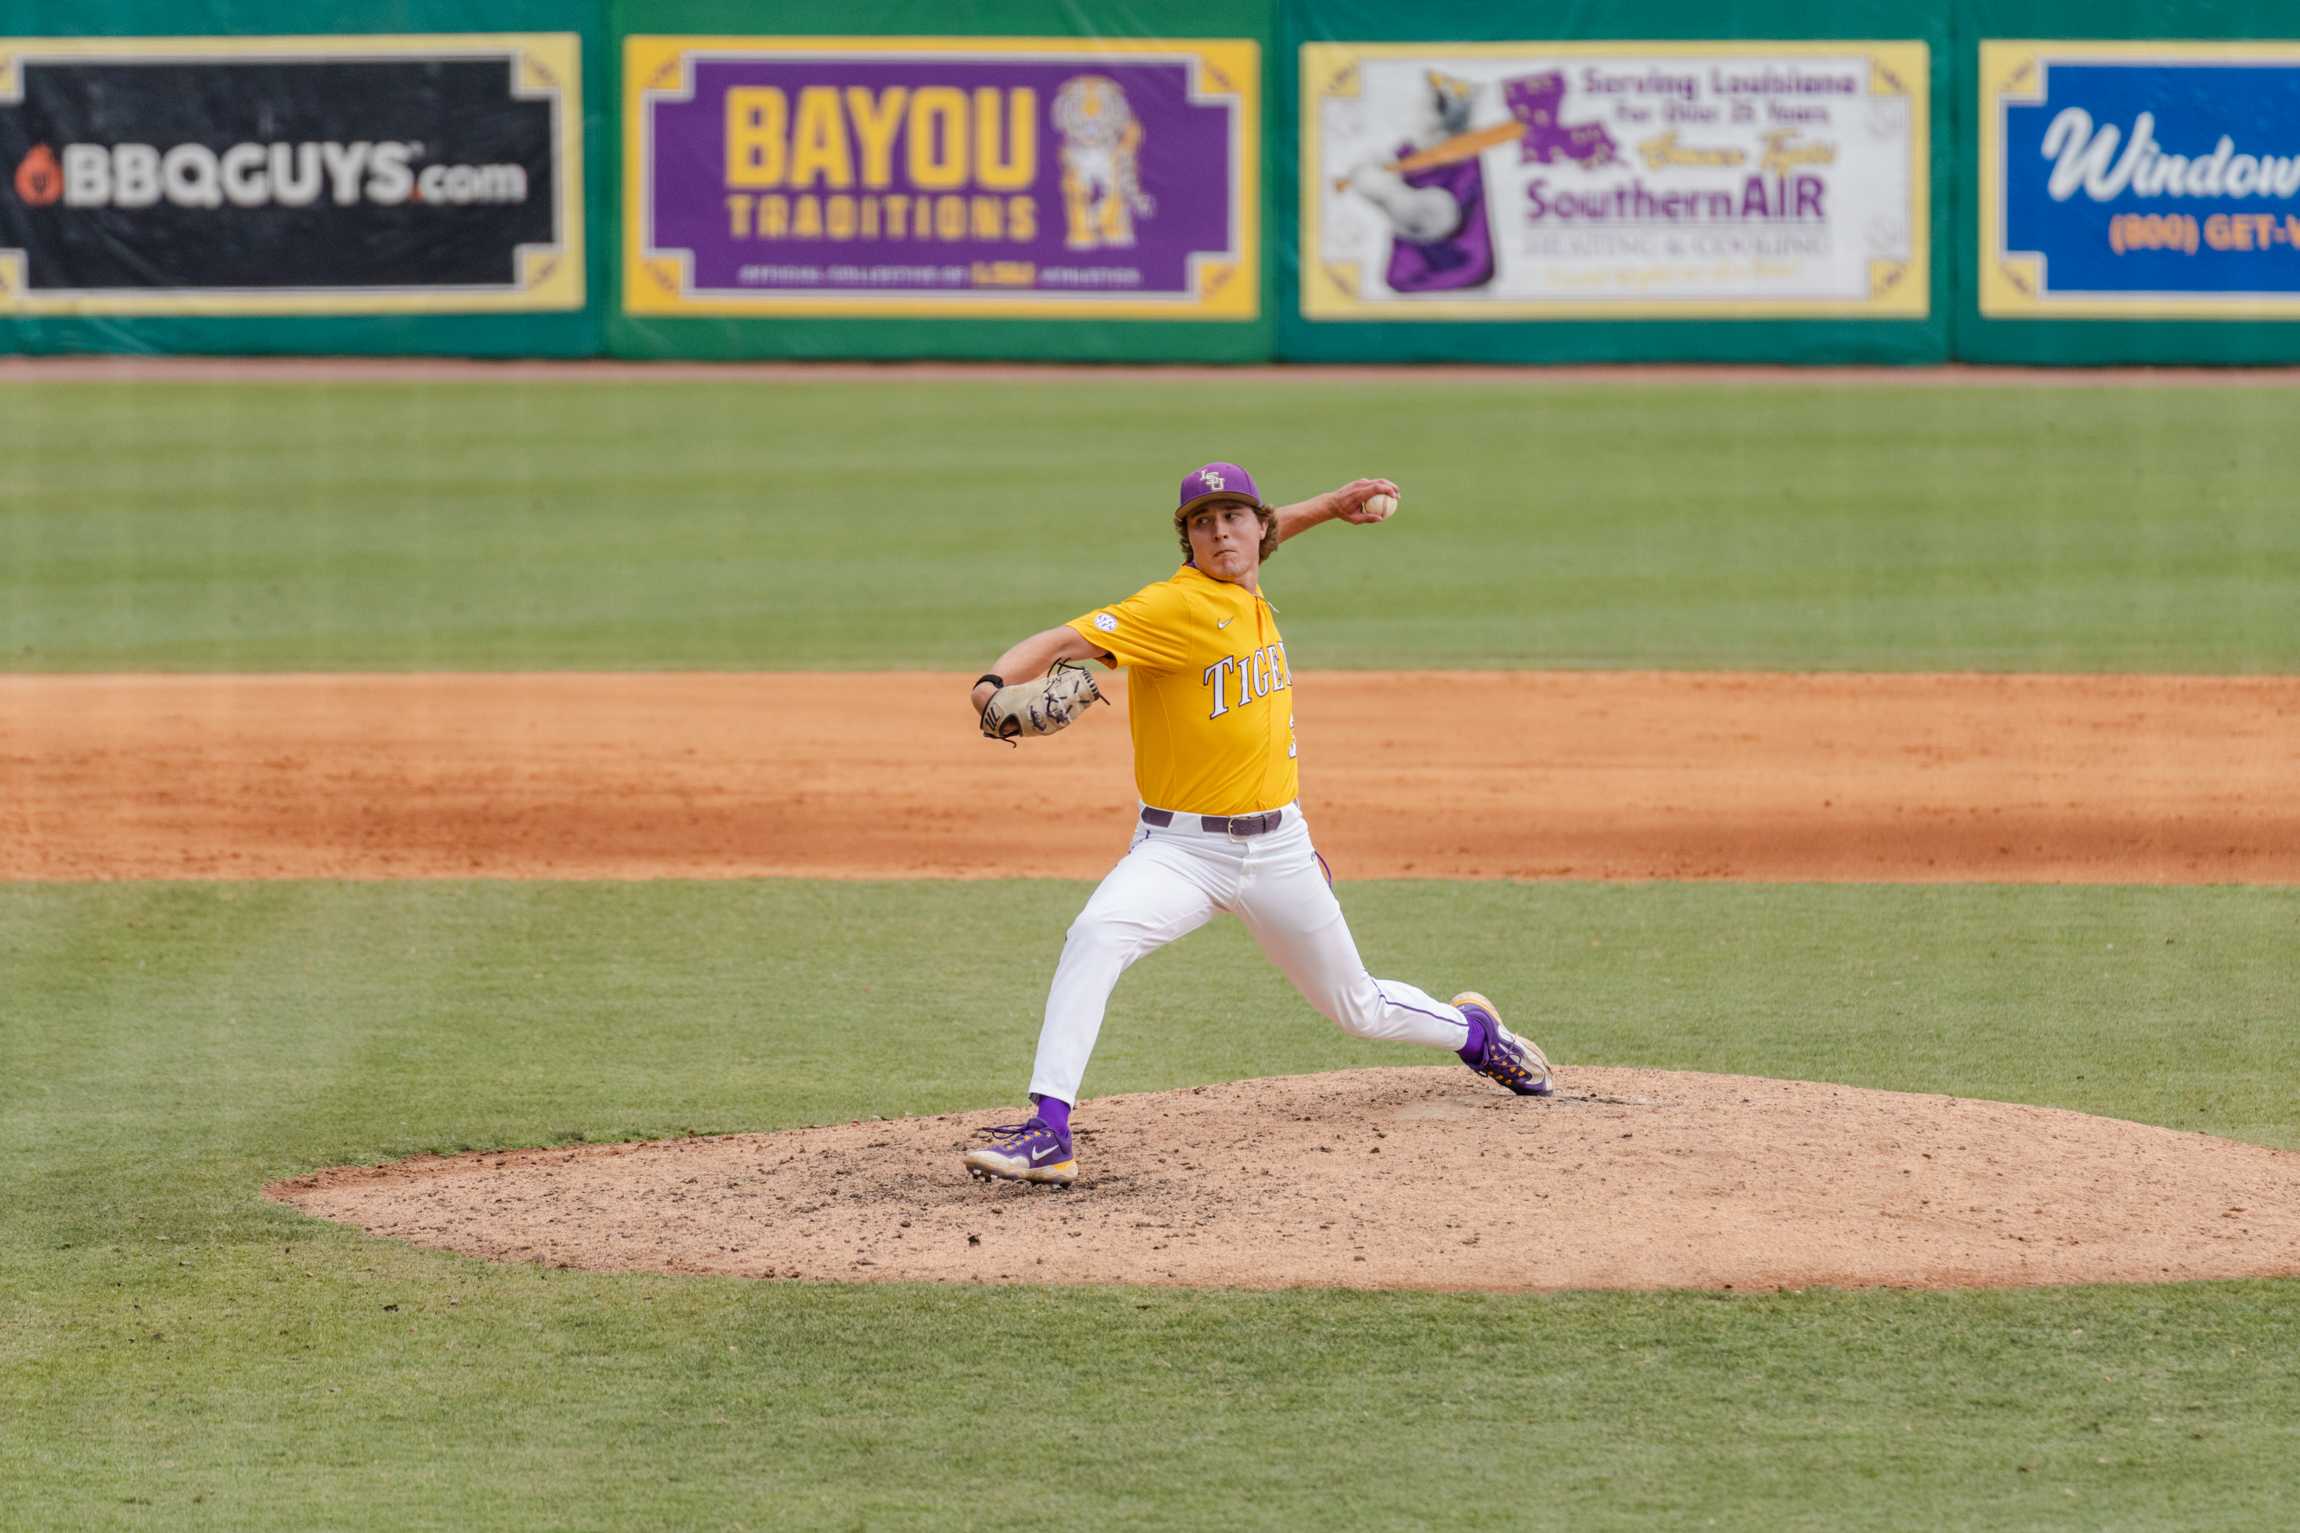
1217 481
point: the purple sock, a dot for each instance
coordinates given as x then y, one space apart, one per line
1054 1113
1473 1050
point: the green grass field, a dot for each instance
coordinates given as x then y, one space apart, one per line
179 1353
761 526
176 1352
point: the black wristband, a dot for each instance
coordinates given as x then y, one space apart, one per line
994 680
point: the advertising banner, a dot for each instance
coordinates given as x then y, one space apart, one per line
1615 180
978 177
291 175
2140 180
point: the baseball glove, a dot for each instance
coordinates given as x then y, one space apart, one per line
1041 707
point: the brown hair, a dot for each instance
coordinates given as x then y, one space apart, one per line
1269 519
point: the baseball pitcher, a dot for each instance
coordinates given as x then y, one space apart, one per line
1211 705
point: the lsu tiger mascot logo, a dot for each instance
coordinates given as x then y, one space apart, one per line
1102 192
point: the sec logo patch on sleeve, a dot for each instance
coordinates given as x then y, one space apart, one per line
1105 622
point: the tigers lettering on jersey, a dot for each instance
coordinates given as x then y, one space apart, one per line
1209 695
1248 678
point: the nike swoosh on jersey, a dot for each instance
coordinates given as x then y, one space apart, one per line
1226 622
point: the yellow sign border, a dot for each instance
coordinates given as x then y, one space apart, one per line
1898 289
551 276
1226 289
2013 283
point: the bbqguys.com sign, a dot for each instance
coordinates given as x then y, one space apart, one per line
290 175
260 175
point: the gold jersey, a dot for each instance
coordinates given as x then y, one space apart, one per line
1209 697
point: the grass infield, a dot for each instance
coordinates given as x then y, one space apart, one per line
754 525
175 1352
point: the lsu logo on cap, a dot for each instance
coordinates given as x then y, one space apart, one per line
1217 481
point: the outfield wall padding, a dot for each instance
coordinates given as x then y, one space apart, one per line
1157 213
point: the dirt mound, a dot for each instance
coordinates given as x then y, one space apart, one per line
1587 775
1397 1178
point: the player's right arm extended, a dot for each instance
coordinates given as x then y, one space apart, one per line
1033 655
1346 503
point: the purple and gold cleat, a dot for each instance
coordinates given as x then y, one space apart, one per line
1024 1152
1509 1059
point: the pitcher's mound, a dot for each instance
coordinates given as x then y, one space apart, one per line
1399 1178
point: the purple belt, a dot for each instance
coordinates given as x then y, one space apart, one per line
1216 825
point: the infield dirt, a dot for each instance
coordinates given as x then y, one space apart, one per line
1372 1178
1400 1178
1583 775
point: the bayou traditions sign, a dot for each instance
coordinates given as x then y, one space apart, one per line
941 176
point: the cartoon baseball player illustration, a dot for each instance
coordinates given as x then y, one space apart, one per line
1210 703
1440 237
1432 191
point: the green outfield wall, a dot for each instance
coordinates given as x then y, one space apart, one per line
2006 181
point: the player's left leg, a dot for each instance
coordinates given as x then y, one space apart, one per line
1160 891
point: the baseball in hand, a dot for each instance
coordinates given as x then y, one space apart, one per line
1378 507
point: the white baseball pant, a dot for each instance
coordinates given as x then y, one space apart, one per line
1170 883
